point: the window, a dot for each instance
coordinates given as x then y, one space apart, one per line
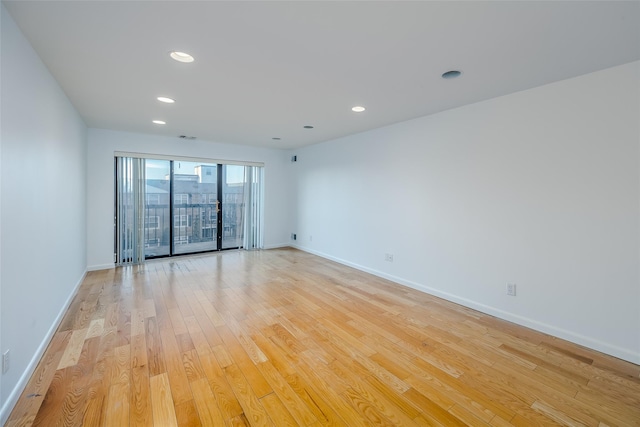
181 221
152 222
181 199
208 219
178 207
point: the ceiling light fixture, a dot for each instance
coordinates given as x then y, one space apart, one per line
308 127
358 109
160 122
452 74
181 56
166 100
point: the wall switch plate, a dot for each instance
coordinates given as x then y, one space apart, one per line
5 361
511 289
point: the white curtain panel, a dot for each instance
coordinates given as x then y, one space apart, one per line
253 205
130 200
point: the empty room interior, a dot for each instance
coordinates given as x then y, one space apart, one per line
307 213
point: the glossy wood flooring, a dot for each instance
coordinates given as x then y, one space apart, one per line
284 338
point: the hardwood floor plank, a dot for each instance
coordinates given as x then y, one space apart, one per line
253 409
431 410
198 337
322 409
180 390
117 410
326 393
192 367
187 414
298 409
137 322
95 328
155 354
74 348
385 394
226 399
242 361
208 410
550 412
367 411
177 321
282 337
466 416
121 369
95 408
277 411
32 397
162 401
141 411
75 400
51 410
386 407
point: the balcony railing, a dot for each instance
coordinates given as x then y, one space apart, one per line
195 227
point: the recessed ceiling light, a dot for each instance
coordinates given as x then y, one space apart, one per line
181 57
160 122
275 138
166 100
308 127
451 74
358 109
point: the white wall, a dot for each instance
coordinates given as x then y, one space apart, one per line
540 188
42 220
2 419
104 143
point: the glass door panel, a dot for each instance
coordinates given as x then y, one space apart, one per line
188 207
232 206
157 222
195 207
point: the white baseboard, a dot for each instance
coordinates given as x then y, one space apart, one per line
8 405
619 352
100 267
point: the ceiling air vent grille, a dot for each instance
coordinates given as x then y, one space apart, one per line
186 137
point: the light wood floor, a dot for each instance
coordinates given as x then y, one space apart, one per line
281 338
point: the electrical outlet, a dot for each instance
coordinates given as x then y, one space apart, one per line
388 257
511 289
5 361
293 236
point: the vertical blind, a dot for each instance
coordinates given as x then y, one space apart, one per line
130 202
253 176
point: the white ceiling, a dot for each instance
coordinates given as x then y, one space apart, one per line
265 69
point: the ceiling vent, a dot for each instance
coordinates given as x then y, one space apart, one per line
186 137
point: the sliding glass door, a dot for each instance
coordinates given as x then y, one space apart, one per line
195 207
184 207
157 209
233 206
